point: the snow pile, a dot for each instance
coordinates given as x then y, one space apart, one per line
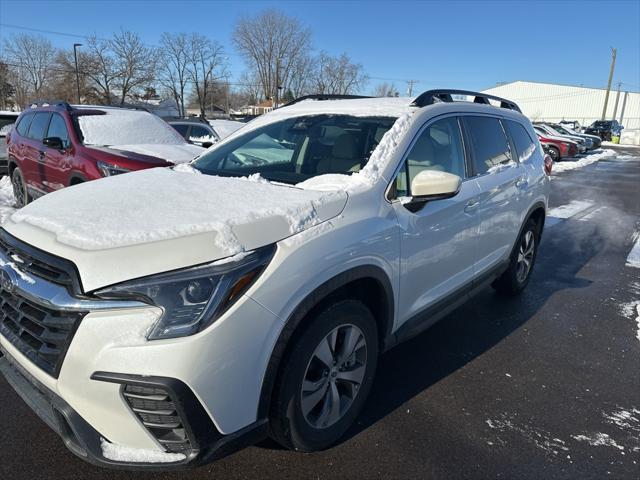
568 210
7 200
633 259
120 453
598 440
4 131
624 419
372 171
182 153
165 204
127 127
583 162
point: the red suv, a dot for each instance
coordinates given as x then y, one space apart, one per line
55 146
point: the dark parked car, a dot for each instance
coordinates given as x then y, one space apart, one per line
7 119
55 146
604 129
566 130
195 131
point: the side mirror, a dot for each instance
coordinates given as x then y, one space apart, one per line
206 144
431 185
53 142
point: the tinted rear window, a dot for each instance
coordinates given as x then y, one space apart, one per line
181 129
39 125
523 142
23 126
488 142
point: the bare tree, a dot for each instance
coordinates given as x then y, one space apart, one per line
134 63
272 43
252 87
206 66
174 66
30 58
99 65
300 83
7 90
337 75
385 89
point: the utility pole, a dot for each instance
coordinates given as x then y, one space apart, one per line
75 56
410 84
275 105
606 97
615 107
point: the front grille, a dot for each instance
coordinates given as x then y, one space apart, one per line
43 335
41 264
157 411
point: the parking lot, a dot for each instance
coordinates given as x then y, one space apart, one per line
541 386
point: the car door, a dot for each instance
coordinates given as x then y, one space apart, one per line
499 177
438 240
57 163
33 157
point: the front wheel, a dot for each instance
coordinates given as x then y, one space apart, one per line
554 153
517 275
326 378
19 188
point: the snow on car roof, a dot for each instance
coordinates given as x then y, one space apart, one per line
374 107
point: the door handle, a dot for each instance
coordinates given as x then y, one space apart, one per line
522 182
471 206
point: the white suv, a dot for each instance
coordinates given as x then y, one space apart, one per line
171 316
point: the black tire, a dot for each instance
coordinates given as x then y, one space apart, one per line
512 282
20 192
288 423
554 153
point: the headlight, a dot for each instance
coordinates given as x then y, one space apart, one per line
109 170
193 298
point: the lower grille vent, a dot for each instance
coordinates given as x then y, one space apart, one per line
158 413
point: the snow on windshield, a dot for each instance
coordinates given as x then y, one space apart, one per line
127 127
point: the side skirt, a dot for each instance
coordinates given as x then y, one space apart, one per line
425 319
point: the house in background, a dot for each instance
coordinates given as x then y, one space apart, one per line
259 109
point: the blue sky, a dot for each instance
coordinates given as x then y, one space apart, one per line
455 44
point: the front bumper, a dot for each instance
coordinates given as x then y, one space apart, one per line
207 443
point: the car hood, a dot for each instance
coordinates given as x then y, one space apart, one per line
171 153
156 220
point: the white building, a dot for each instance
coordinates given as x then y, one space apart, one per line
552 103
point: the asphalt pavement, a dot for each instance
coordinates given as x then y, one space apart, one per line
543 386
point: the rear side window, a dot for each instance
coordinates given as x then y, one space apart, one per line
525 146
58 128
489 143
39 126
181 129
23 126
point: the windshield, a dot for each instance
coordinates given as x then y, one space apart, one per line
126 127
295 149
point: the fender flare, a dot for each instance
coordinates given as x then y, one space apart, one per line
313 300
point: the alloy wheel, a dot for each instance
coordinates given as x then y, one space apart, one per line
525 256
334 376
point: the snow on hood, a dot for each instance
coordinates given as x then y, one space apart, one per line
172 153
163 204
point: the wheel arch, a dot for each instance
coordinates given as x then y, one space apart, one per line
367 283
76 178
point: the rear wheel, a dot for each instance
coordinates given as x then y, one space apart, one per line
517 275
326 378
19 188
554 153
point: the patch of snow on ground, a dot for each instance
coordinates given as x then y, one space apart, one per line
582 162
633 259
624 419
372 171
568 210
611 144
541 439
598 440
7 200
120 453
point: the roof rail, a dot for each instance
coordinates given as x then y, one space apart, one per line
433 96
323 96
49 103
